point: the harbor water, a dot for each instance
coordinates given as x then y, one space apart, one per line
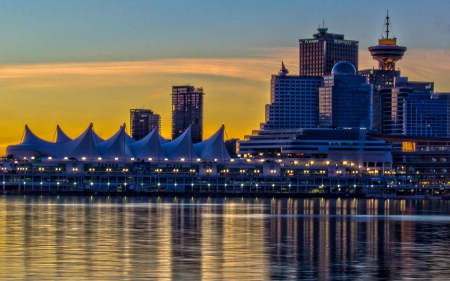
140 238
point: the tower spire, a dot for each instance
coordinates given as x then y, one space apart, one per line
387 52
387 24
283 70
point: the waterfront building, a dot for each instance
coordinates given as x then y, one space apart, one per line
120 148
293 101
419 161
187 110
142 122
331 162
319 54
336 150
152 164
345 99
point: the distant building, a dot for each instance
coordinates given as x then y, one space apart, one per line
187 110
319 54
408 111
345 99
293 101
427 115
142 122
381 79
415 86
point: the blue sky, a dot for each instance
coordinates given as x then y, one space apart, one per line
111 30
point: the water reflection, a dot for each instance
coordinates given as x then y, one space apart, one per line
102 238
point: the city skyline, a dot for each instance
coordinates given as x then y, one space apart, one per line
69 64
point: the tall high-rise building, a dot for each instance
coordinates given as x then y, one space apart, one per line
293 101
142 122
319 54
345 99
187 110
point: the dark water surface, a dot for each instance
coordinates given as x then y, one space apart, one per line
101 238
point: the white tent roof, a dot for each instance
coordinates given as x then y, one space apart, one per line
83 146
213 148
117 145
30 138
181 147
122 146
31 145
149 147
60 135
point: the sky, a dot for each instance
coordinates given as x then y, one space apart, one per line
70 63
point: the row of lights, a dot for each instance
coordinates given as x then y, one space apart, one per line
117 158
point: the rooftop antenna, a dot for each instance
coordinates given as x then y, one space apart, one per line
387 24
387 52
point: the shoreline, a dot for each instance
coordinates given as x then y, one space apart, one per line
224 195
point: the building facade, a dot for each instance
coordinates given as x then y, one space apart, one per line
411 108
419 161
345 99
319 54
293 101
427 115
341 149
187 110
142 122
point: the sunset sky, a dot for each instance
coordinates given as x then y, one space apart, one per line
75 62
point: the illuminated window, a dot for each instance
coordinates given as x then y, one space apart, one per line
408 146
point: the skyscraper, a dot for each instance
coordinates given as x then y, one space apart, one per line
319 54
142 122
293 101
187 110
345 99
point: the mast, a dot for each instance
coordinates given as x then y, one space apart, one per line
387 24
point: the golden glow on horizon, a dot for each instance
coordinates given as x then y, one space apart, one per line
237 89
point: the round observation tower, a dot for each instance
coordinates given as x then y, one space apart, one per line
387 52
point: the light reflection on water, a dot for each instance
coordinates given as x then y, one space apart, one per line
101 238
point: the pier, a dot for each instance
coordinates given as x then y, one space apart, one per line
193 184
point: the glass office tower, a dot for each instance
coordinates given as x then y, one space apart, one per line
427 115
345 99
